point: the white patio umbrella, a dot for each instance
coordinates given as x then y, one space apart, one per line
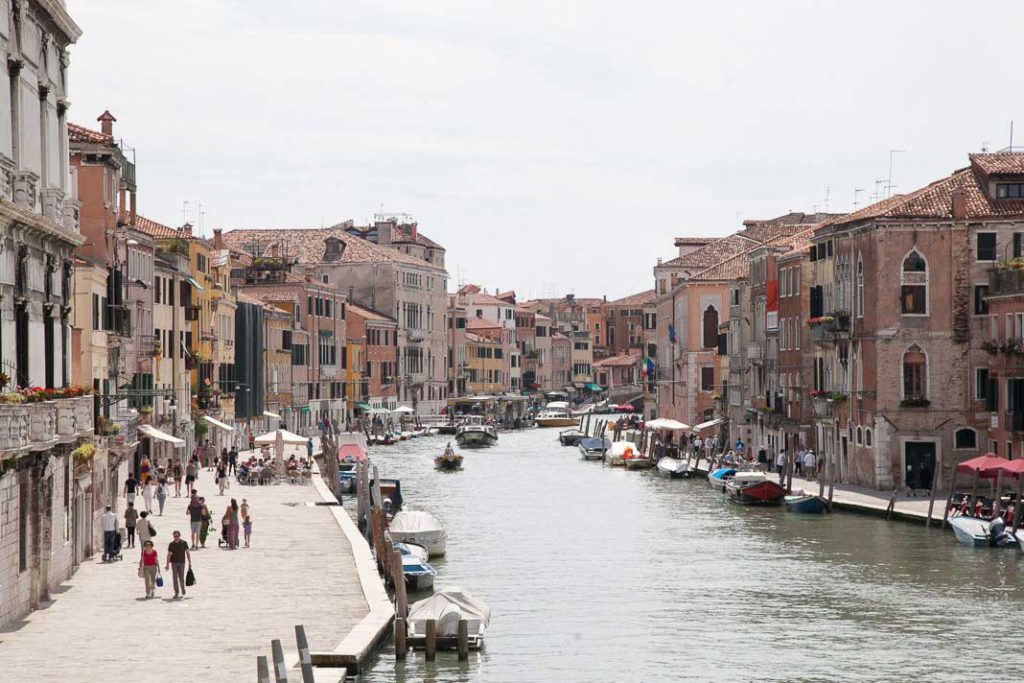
665 423
403 409
280 437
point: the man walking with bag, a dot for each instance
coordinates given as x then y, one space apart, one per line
177 555
109 521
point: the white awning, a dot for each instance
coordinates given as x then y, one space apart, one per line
267 413
286 436
218 423
710 423
154 433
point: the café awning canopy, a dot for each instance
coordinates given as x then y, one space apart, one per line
267 413
286 437
363 406
403 409
217 423
195 284
154 433
665 423
710 423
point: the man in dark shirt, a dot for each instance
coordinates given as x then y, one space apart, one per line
195 518
177 555
129 488
232 460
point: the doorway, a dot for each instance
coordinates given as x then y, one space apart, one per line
918 464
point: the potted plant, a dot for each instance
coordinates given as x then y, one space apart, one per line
83 453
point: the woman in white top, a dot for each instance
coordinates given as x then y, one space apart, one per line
809 464
147 494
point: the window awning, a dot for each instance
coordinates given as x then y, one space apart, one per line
154 433
363 406
593 387
267 413
218 423
192 282
710 423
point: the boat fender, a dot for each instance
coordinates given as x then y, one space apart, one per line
627 454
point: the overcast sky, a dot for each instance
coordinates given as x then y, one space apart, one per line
550 146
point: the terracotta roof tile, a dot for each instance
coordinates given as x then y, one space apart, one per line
617 361
1000 163
714 252
369 314
641 299
82 134
154 229
307 245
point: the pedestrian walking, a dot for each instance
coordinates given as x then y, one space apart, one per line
798 463
232 460
191 472
145 471
147 495
178 474
195 518
809 464
224 458
247 528
780 463
130 486
209 455
131 516
204 526
161 495
144 528
233 524
177 555
109 521
221 478
149 567
309 450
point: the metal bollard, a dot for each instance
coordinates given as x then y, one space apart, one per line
280 670
262 669
305 662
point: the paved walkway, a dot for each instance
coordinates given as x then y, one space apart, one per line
299 570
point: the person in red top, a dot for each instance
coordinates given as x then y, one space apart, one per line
149 568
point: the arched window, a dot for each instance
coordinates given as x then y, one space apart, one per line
914 285
915 374
860 436
710 327
965 438
867 437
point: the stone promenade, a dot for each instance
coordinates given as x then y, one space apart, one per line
299 570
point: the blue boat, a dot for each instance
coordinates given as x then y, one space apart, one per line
805 504
719 478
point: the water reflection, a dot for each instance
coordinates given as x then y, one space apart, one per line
595 574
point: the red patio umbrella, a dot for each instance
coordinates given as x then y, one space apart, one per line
985 466
1011 468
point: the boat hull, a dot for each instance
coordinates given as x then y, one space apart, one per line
591 455
638 464
434 541
419 582
805 504
973 533
762 493
571 438
556 421
475 439
448 465
673 468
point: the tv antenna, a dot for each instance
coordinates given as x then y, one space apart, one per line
856 193
892 160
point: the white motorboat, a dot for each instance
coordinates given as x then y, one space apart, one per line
976 533
556 414
621 451
422 528
673 468
473 432
447 607
419 575
413 549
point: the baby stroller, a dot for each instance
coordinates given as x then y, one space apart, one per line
116 555
222 542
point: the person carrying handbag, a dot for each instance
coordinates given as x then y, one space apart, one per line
177 555
149 568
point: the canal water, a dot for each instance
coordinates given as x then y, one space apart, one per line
598 574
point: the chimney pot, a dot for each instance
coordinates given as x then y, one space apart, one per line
187 229
106 120
959 208
218 238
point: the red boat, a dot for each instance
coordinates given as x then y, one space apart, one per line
754 488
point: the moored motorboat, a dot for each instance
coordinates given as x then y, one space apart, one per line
673 468
419 575
977 533
720 477
448 462
594 449
414 549
417 526
571 437
447 607
618 452
637 460
808 504
754 488
472 433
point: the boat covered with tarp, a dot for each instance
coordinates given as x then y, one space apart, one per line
447 607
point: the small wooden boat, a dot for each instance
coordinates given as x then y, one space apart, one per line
447 607
807 504
571 437
419 575
391 494
673 468
448 463
421 528
413 549
720 477
594 449
976 533
754 488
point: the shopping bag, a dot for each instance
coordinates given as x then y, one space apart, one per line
190 578
159 580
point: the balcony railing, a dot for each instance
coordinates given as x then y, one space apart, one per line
754 352
38 426
191 313
1005 281
415 335
823 406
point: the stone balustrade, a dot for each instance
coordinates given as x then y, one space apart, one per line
38 426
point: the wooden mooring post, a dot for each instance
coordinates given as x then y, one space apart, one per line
463 640
430 641
305 661
401 647
892 504
401 598
262 669
280 669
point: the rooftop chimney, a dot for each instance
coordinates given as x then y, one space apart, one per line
106 120
333 249
218 238
273 249
187 229
414 231
959 208
384 232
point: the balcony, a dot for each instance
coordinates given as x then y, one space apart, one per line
826 329
39 426
415 335
754 352
823 406
1005 280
